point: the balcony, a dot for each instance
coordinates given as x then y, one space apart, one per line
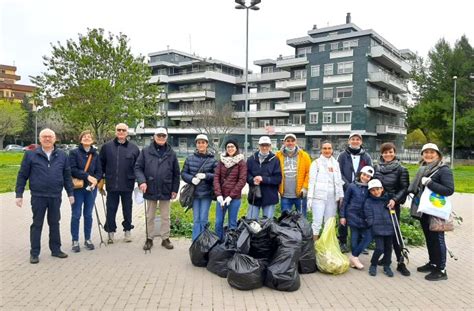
291 61
262 95
337 79
195 95
262 77
388 81
386 105
390 60
194 76
179 113
290 106
291 84
341 54
391 129
261 114
277 130
336 128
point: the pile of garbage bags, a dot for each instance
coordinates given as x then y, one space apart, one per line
265 252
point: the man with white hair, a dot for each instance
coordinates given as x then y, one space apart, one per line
48 171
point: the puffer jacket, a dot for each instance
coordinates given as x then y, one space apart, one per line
353 205
230 181
192 166
377 215
303 163
394 178
78 159
270 171
347 169
319 176
442 182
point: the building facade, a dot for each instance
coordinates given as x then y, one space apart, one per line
9 89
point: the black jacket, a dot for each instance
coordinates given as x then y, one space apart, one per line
47 177
442 182
353 205
395 181
347 169
118 164
191 167
161 173
270 170
78 159
378 215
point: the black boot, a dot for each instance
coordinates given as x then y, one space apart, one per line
402 268
437 275
428 267
148 244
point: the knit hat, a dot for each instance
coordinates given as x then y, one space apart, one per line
233 142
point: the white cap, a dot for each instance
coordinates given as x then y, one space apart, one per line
430 146
290 135
369 170
264 140
355 134
375 183
161 130
202 136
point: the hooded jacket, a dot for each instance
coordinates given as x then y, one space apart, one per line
319 179
303 163
191 167
230 181
378 215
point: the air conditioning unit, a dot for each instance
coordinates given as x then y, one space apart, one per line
336 100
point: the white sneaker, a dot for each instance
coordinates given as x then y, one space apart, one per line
111 238
128 237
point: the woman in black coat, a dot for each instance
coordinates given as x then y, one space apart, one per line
436 175
395 180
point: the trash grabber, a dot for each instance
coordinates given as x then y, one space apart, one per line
146 224
99 224
398 235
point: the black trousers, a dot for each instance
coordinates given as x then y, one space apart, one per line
435 243
113 198
383 245
39 207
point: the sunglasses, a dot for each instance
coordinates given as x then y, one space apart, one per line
121 130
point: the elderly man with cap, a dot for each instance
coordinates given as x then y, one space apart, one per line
295 164
351 161
157 172
199 169
264 178
118 158
48 171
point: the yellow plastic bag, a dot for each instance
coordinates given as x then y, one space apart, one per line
329 257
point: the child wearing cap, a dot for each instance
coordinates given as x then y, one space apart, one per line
352 214
378 218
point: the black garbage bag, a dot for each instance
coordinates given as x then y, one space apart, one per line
245 272
307 261
282 272
220 254
262 245
199 250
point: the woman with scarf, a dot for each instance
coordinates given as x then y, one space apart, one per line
436 175
325 188
395 181
229 180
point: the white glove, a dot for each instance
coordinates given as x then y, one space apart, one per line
195 181
227 201
201 175
220 199
304 193
309 203
425 180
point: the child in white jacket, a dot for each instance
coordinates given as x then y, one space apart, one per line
325 188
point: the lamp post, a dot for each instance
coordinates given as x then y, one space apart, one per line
253 6
35 109
455 78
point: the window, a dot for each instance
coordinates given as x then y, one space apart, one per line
343 117
298 97
267 69
300 52
334 33
344 92
316 143
354 43
280 122
313 117
299 74
328 69
265 106
299 119
327 117
334 46
328 93
315 71
265 88
322 47
263 123
314 94
345 67
346 45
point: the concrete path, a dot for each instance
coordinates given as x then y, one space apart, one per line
121 276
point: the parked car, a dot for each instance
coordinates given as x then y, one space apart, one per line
14 148
31 147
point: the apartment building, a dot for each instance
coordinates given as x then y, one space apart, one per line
9 89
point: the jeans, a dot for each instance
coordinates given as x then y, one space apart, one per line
113 198
82 196
200 215
39 206
383 245
300 205
233 212
360 239
435 243
254 211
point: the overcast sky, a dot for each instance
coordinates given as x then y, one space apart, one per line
213 28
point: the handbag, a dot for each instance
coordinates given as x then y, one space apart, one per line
186 194
440 225
77 182
435 204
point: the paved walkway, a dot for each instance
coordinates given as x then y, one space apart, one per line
121 276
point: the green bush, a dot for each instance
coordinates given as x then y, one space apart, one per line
411 229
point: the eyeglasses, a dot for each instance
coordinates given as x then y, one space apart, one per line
161 135
121 130
230 146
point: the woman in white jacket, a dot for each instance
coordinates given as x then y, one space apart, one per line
325 188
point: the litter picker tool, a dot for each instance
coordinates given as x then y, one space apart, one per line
398 234
146 225
99 224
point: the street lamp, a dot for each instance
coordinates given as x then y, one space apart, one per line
253 6
455 78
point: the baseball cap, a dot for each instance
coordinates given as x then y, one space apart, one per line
264 140
430 146
355 134
290 135
369 170
202 136
375 183
161 130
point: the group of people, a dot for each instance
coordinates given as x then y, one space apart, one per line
362 194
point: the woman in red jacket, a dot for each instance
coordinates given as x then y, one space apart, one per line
229 180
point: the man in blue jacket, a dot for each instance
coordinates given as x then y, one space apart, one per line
48 171
118 158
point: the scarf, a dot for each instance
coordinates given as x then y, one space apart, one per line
359 151
386 167
359 183
262 157
231 161
425 170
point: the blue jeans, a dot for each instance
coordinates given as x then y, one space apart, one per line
39 207
233 209
300 205
360 239
200 215
113 198
254 211
82 196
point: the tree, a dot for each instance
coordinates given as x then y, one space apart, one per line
12 119
415 139
434 84
96 83
48 117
